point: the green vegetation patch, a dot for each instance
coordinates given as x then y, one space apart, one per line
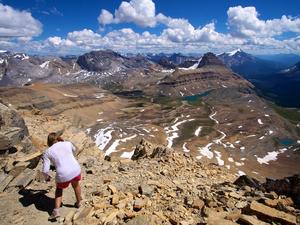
291 114
167 103
187 130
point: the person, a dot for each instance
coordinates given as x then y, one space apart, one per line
61 155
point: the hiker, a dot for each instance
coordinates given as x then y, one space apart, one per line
60 155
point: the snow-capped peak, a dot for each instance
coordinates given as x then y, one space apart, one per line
45 65
232 53
21 56
2 51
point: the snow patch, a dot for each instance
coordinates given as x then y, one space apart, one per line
71 96
172 132
230 159
232 53
185 149
260 122
103 137
241 173
45 65
219 160
205 151
197 132
127 155
271 156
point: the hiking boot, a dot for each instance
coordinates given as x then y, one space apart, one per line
54 215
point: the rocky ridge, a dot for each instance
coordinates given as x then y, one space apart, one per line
159 187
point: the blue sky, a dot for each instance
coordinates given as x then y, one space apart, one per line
58 26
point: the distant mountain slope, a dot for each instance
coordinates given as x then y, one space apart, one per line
282 87
287 60
211 74
173 60
248 65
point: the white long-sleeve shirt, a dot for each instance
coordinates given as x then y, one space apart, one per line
61 156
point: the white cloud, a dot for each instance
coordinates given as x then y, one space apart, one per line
15 23
84 37
244 22
246 31
105 17
140 12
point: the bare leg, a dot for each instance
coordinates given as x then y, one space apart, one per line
77 190
58 198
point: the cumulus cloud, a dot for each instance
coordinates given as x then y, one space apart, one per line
105 17
15 23
244 22
245 31
140 12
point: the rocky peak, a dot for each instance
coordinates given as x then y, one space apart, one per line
98 60
210 59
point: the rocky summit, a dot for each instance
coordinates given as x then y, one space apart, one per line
189 145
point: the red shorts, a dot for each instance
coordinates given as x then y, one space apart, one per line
66 184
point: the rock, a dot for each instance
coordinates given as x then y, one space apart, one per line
271 195
251 220
235 195
248 181
234 215
5 142
90 171
209 59
146 190
110 216
241 204
139 220
112 188
147 149
138 204
218 218
289 186
274 202
268 213
247 188
198 204
10 118
83 213
89 163
115 199
23 179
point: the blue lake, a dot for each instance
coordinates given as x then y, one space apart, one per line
195 98
286 142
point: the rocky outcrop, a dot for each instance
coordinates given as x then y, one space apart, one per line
289 186
210 59
12 128
146 149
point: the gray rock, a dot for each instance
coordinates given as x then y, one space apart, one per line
146 190
139 220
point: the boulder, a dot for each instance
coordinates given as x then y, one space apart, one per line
289 186
139 220
251 220
10 118
270 214
12 128
248 181
146 190
146 149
